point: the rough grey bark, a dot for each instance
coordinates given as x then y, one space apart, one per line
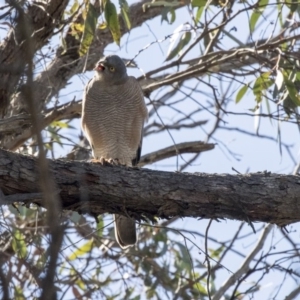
42 20
93 188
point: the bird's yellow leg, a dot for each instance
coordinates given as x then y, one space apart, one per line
100 160
103 161
114 161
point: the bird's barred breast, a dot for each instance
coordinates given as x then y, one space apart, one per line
112 121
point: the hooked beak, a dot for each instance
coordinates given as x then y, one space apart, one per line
100 67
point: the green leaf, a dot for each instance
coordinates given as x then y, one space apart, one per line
74 7
262 83
112 21
180 39
257 13
215 253
161 3
64 45
100 226
102 26
18 244
18 295
279 14
241 93
60 124
124 12
85 248
183 260
168 15
80 284
293 6
90 24
173 16
164 15
293 93
76 29
253 20
199 3
199 14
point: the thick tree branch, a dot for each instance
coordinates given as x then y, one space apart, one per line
97 189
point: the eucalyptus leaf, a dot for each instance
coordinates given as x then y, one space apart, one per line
125 13
112 21
90 25
257 14
18 244
82 250
262 83
241 93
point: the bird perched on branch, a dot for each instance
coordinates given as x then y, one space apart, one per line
113 116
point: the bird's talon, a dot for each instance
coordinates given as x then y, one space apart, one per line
115 162
101 160
106 162
94 160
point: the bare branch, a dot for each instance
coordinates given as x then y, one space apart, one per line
176 126
293 294
20 125
188 147
245 267
4 280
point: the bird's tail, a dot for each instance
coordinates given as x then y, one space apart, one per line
125 231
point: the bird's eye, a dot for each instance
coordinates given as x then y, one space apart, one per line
112 69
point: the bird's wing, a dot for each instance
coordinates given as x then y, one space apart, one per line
83 121
142 110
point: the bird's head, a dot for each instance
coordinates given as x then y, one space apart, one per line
112 69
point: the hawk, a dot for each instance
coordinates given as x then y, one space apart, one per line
113 116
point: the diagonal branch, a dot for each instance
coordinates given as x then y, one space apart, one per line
293 294
188 147
245 267
43 18
21 125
